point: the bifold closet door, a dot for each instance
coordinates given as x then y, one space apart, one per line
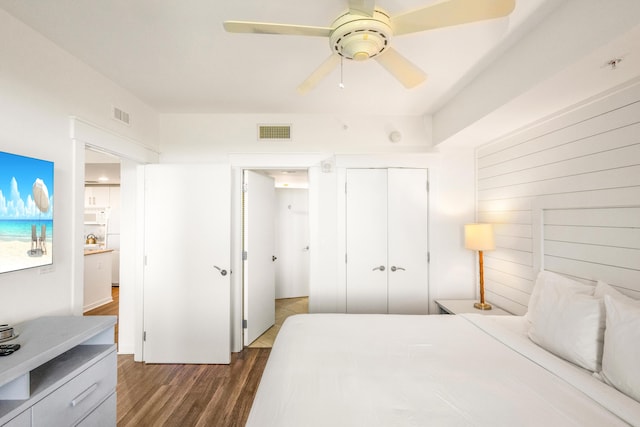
407 241
366 233
386 232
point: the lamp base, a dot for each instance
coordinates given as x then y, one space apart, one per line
482 306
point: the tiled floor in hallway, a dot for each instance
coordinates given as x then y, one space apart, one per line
284 308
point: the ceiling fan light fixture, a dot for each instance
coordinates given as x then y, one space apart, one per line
361 45
360 56
365 32
360 38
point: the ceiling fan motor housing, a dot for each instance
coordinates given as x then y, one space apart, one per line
359 37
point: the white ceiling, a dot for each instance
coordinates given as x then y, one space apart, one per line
101 168
176 57
287 178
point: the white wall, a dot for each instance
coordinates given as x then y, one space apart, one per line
589 156
193 137
323 241
322 140
42 86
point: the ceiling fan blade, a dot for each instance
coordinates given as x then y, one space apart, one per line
320 73
267 28
362 7
450 12
401 68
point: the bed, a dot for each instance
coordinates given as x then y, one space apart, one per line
572 360
386 370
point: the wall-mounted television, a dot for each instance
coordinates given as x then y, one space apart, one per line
26 212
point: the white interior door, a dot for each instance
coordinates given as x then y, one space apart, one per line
187 259
259 265
366 222
407 241
292 242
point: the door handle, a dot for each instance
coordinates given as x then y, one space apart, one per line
381 268
222 271
394 268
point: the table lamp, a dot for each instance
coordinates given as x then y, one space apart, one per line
479 237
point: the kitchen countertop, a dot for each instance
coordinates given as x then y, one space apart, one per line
96 251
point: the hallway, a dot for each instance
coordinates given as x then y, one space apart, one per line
284 308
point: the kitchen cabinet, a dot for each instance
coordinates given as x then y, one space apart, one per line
96 196
98 277
63 374
386 241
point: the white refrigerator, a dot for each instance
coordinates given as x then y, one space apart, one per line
113 234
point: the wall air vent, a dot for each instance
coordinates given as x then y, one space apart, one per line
274 132
121 116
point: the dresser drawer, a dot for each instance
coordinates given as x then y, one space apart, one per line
103 416
22 420
75 399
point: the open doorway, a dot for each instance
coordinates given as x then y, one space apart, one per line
289 246
130 154
101 234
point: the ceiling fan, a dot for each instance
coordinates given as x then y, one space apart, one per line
365 32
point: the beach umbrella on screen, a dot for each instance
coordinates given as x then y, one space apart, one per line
41 195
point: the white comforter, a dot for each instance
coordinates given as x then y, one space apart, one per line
392 370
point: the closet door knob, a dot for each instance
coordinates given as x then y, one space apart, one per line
381 268
222 272
394 268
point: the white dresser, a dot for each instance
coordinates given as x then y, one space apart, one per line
64 373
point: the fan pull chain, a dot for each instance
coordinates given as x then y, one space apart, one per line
341 85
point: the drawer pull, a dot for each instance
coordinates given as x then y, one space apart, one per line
79 398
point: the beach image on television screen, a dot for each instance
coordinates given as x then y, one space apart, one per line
26 212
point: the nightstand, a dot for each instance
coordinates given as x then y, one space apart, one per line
458 306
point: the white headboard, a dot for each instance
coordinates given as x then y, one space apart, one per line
590 244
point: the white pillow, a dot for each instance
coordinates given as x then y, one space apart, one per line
548 277
603 288
567 320
621 356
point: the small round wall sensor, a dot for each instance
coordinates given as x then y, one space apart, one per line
395 136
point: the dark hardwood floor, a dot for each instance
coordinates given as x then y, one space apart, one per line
110 309
189 395
186 395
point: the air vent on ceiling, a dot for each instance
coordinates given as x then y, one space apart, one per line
274 132
121 116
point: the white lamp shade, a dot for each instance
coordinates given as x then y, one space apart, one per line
479 237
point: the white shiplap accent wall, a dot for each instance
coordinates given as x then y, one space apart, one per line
592 244
589 157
